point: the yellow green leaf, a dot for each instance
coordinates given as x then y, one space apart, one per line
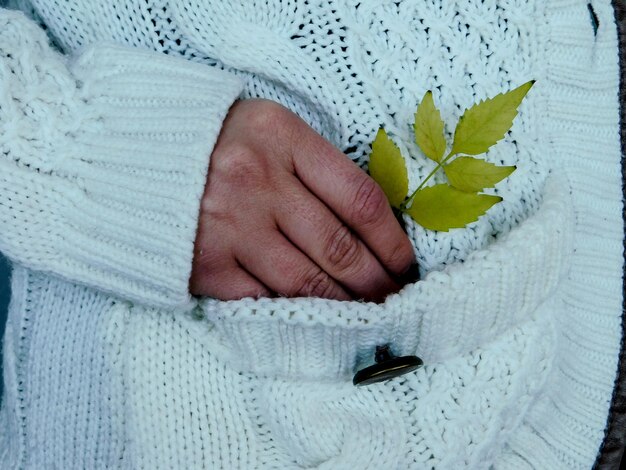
442 207
473 174
485 123
428 128
388 169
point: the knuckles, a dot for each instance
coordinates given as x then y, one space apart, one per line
257 146
342 249
315 284
240 167
369 203
273 125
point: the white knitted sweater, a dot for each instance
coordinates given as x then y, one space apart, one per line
109 362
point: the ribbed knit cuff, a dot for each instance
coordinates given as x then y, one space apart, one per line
139 161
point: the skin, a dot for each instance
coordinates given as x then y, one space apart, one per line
286 213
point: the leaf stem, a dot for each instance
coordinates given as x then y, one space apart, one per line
440 165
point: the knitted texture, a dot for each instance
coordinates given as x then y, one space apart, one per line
107 156
110 363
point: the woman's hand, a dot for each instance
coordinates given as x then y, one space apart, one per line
285 212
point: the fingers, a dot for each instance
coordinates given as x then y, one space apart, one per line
355 198
313 228
232 283
287 271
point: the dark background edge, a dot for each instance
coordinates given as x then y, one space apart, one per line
5 291
612 449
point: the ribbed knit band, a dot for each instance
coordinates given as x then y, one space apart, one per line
565 427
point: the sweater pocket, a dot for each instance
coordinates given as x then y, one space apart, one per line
445 315
267 383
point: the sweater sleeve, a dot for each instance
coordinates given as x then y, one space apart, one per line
103 161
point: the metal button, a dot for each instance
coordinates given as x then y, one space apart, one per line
387 367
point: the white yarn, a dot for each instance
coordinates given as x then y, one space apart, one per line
110 363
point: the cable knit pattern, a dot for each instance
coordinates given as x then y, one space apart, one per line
108 361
